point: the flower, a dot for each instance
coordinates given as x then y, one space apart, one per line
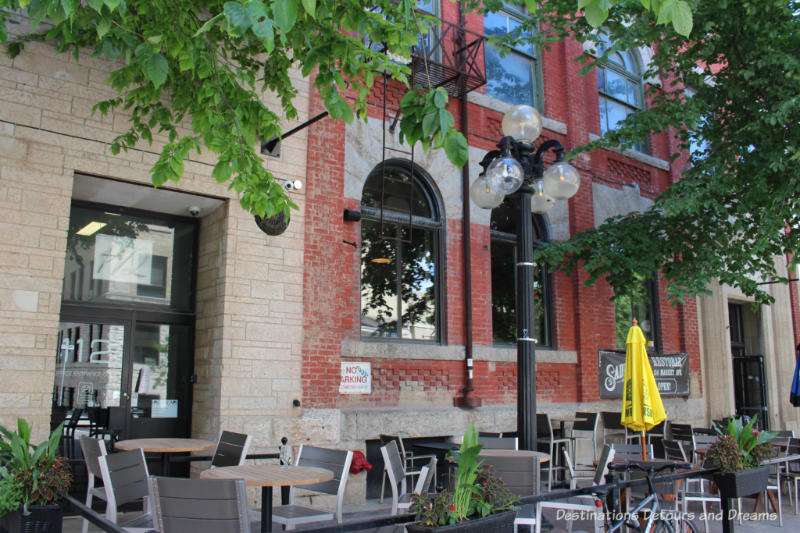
478 493
739 447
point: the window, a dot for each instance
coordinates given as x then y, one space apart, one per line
514 77
641 304
619 81
504 259
400 237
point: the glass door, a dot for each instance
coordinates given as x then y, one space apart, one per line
161 380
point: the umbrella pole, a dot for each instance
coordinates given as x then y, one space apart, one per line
644 446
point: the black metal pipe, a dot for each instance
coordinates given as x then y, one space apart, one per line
269 146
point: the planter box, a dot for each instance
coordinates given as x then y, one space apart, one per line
744 483
496 523
40 519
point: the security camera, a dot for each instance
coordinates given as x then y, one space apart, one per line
293 185
194 211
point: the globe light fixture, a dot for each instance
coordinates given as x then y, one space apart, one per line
541 202
561 180
483 194
522 122
517 168
505 174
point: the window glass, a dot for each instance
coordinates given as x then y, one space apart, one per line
119 257
640 304
504 259
399 273
620 84
510 77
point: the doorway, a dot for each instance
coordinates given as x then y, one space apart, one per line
125 340
749 382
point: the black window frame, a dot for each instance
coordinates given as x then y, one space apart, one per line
541 238
654 336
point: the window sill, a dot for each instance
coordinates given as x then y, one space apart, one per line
633 154
369 349
486 101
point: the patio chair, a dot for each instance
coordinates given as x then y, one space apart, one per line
412 462
701 442
520 475
544 431
612 427
231 449
582 503
402 502
576 475
792 472
125 480
585 430
68 432
683 433
338 461
92 449
631 451
199 505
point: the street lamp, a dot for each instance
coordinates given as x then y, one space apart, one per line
517 168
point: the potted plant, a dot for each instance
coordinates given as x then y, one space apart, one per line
479 502
33 480
737 453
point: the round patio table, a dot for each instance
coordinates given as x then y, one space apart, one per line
267 476
165 446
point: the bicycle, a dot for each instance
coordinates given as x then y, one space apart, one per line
655 520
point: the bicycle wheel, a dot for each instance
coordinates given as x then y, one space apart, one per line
682 526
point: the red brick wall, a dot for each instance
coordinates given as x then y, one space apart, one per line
583 316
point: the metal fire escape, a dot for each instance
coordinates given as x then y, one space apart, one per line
447 56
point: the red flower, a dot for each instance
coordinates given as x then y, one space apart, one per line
452 507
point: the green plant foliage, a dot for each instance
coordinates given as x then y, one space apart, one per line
739 446
31 474
732 217
478 491
194 73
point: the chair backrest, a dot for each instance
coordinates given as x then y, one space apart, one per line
125 477
543 427
589 422
72 422
93 449
785 433
612 420
231 449
701 441
673 450
499 443
518 473
426 474
606 457
337 461
682 432
385 439
631 451
393 464
657 430
200 505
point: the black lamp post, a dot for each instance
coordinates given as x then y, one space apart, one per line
517 168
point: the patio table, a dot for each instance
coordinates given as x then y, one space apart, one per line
267 476
165 446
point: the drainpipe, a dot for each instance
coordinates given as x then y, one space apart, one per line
467 399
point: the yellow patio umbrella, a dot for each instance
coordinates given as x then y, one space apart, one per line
642 408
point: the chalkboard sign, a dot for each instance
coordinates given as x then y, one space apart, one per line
671 372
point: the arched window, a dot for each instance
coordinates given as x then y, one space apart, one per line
401 230
619 80
504 277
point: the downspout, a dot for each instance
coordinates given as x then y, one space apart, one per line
467 399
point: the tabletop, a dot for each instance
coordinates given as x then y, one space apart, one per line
568 418
165 445
270 475
543 457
